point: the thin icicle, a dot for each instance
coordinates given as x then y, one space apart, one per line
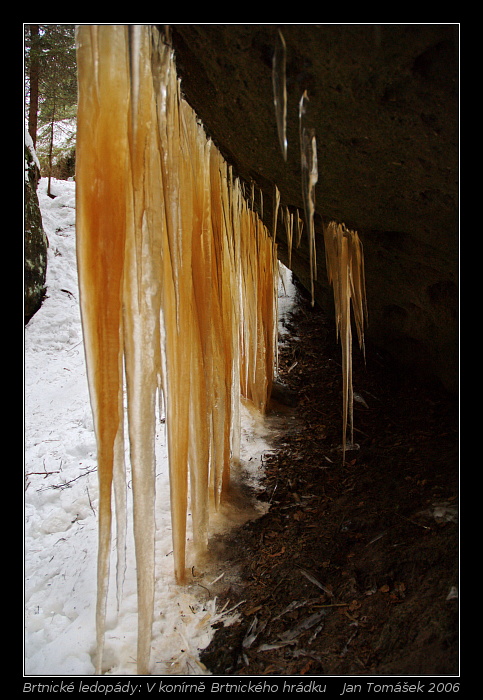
300 227
288 219
276 207
280 91
310 176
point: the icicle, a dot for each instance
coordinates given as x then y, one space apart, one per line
102 190
276 207
345 270
288 219
308 153
300 226
142 307
280 92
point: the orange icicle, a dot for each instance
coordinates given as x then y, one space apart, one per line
345 270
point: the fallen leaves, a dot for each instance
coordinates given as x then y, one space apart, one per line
350 527
315 581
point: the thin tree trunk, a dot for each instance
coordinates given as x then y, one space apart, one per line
51 145
34 82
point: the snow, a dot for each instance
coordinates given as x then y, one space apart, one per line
61 497
287 293
30 145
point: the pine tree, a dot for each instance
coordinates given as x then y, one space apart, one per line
51 78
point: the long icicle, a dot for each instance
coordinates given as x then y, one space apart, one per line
345 270
142 300
280 91
102 190
310 176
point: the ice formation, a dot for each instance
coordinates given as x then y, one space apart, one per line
345 269
310 176
177 279
178 290
280 91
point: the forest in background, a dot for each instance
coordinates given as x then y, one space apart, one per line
51 96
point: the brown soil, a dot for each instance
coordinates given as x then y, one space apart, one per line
354 568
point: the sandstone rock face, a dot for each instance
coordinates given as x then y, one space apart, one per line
35 246
383 101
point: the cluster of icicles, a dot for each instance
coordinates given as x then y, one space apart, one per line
343 248
178 298
178 286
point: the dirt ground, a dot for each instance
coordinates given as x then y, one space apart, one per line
353 570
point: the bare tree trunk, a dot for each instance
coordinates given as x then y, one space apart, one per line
50 155
51 145
34 82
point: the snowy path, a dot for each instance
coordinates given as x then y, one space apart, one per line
61 497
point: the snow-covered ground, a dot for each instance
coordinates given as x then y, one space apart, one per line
61 496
